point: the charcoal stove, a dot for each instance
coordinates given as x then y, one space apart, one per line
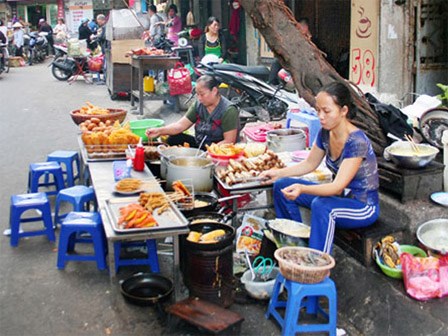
410 184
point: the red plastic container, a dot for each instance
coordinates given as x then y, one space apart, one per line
139 159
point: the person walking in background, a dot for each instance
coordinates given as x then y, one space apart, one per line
155 29
18 39
46 28
174 24
84 33
101 32
213 40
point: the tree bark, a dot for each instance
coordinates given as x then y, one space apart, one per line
306 63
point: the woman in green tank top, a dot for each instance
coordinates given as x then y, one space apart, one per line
213 40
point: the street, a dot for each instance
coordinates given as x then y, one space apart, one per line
38 299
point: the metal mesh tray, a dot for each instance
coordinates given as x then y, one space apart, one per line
169 220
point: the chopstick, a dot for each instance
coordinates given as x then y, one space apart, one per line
412 142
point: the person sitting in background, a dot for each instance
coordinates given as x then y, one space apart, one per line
351 199
213 40
213 116
60 30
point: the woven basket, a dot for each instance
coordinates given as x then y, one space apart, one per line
114 114
301 273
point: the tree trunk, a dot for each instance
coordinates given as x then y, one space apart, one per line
306 62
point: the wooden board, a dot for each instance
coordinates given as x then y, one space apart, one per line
120 47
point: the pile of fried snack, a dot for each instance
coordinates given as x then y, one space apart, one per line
93 110
245 170
101 136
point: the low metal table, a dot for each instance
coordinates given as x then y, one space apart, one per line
102 177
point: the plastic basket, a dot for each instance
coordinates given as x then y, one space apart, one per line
301 272
139 127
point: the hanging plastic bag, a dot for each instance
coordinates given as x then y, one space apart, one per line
425 278
179 80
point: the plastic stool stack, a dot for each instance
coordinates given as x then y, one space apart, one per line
303 296
151 260
69 160
25 202
73 226
37 170
79 196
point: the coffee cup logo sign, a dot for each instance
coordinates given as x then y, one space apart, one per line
363 29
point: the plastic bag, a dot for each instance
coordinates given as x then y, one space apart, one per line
250 234
96 63
425 278
179 80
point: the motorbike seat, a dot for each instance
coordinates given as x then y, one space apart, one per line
259 71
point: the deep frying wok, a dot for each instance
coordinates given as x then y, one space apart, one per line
205 228
212 200
146 289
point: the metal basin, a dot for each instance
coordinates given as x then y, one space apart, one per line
402 154
434 235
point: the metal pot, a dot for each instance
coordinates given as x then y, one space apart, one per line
199 170
167 153
145 289
402 154
288 232
286 140
433 235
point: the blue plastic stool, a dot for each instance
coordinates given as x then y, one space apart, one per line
72 227
22 203
297 292
37 170
151 260
79 196
69 159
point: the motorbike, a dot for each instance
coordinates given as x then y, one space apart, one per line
247 88
36 47
4 53
60 51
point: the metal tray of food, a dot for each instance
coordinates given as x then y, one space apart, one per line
96 153
171 219
255 184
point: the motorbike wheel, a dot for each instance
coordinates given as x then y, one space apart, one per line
60 74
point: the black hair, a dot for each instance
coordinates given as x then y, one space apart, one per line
341 96
209 81
210 20
152 8
173 7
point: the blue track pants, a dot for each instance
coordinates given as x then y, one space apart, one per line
327 213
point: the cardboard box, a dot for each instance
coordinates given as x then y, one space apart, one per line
119 49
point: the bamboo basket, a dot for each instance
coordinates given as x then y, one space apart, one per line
303 273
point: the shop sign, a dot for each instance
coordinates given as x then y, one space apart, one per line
364 43
79 9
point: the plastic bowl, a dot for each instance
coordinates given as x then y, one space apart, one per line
397 273
139 127
261 290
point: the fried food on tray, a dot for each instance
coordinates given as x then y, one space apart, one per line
128 184
134 216
224 149
179 187
154 200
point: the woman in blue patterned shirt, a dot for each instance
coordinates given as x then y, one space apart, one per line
351 199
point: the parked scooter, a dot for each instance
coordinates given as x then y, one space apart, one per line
36 47
258 100
60 51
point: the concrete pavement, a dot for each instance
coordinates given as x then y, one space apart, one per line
37 299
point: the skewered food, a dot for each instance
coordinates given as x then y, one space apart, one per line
244 171
154 200
179 187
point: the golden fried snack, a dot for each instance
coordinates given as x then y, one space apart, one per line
128 184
